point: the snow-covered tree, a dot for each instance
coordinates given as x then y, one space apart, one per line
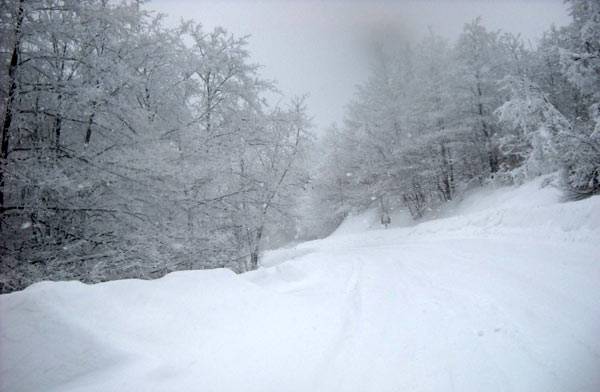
122 140
580 59
435 118
537 125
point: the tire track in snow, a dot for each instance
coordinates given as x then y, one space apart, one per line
350 319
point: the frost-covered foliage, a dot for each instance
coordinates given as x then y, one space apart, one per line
437 117
536 125
557 102
131 150
580 60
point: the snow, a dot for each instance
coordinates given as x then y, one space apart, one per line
358 223
501 294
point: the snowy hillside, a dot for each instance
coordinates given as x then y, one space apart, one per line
503 294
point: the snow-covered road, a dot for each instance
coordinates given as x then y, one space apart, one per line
464 315
503 296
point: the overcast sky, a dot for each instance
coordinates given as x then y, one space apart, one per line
319 47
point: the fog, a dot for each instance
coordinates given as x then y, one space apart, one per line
320 48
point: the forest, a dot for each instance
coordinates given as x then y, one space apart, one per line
131 149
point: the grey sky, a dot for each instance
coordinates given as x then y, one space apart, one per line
318 47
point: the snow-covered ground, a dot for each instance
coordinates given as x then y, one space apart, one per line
503 294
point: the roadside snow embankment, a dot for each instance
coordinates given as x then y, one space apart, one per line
534 209
501 294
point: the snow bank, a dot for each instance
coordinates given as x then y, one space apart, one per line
199 330
503 294
534 209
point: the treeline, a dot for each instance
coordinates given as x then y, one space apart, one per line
131 150
436 118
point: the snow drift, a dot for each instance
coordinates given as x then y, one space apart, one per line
503 294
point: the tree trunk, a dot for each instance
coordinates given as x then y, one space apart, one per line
487 134
209 103
256 250
57 128
88 132
447 173
253 260
12 88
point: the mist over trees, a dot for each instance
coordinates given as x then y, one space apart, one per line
132 149
436 118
